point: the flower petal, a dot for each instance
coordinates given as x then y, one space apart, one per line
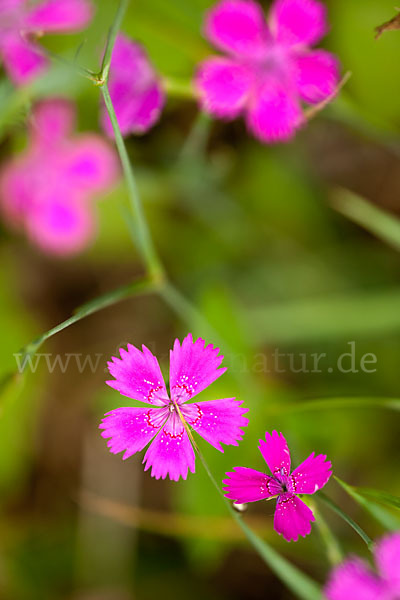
317 75
311 475
16 191
223 86
237 26
276 453
193 367
90 164
22 59
247 485
131 429
352 579
59 15
217 421
274 114
135 89
387 557
138 375
292 517
299 21
60 223
52 121
171 453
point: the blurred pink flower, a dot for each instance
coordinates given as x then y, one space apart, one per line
269 68
135 89
354 579
21 22
46 191
292 516
193 367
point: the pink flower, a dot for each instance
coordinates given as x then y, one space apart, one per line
292 516
354 579
46 191
269 69
135 89
193 367
21 23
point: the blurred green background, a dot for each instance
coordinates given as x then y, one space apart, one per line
255 237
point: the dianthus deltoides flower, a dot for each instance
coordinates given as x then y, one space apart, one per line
355 580
193 367
269 69
292 516
47 191
135 89
22 21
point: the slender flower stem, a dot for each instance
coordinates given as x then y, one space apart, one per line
144 239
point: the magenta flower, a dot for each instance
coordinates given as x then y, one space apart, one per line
21 22
193 367
135 89
354 579
292 516
47 191
269 68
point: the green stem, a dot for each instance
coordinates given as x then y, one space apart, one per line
144 239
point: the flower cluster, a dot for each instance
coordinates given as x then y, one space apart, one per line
47 191
265 74
168 419
268 68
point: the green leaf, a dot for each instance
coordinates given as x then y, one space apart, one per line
333 506
326 318
387 520
380 223
382 497
335 404
141 286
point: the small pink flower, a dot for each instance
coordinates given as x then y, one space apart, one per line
269 68
21 22
193 367
46 191
135 89
292 516
354 579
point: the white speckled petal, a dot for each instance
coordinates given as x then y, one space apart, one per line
217 421
193 367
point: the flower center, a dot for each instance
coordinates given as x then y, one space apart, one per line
273 62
